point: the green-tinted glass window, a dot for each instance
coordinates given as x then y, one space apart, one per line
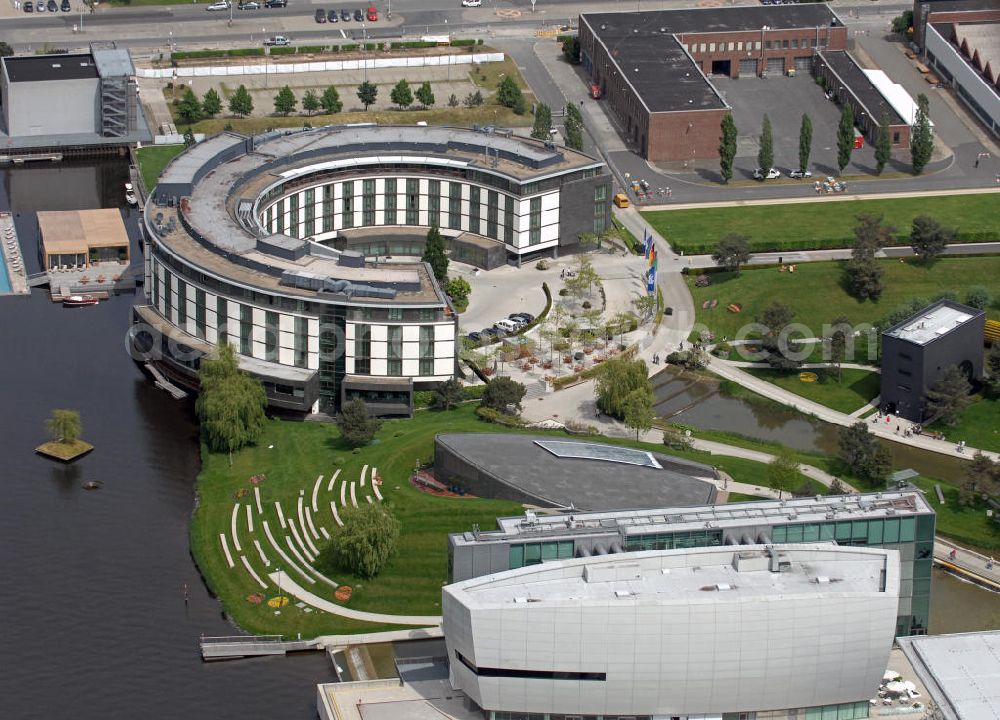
875 532
779 534
532 554
550 551
843 531
925 527
810 533
565 548
516 556
829 712
859 530
907 529
827 531
891 534
794 533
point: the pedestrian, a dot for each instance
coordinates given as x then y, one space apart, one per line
989 563
897 429
952 554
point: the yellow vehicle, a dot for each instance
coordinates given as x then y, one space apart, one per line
621 200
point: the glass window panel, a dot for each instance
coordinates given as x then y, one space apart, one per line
794 533
565 548
874 532
810 533
925 527
779 534
516 556
532 554
891 534
843 531
829 711
550 551
827 531
907 529
859 530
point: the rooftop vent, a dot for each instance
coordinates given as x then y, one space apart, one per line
623 593
718 587
822 580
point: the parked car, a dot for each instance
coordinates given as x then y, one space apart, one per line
29 8
275 3
358 15
773 173
65 7
216 6
345 15
474 337
320 15
372 13
799 174
252 5
277 41
40 6
507 326
332 16
528 317
52 6
472 3
489 334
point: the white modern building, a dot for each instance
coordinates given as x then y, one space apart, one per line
301 249
727 633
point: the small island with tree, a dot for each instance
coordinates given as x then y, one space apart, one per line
65 428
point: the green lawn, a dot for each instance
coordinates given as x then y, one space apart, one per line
979 425
967 525
411 584
153 159
736 497
821 224
815 294
855 388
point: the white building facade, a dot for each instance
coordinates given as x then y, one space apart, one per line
725 633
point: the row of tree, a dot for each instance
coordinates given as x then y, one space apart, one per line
921 141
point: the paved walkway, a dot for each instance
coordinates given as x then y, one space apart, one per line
287 585
966 562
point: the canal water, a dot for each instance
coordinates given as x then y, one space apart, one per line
92 611
94 623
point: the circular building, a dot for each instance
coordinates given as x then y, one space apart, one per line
301 249
574 474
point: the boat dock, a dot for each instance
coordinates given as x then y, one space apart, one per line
161 382
244 646
12 257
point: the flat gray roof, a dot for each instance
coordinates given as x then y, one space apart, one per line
732 515
525 464
933 322
112 62
855 80
961 672
692 575
40 68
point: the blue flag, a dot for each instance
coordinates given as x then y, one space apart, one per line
646 242
651 280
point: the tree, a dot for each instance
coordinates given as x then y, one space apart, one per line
458 290
330 100
732 251
448 394
310 102
367 93
765 153
64 426
928 238
573 127
836 343
453 100
401 94
783 470
284 101
639 410
845 136
902 23
189 109
776 318
805 141
503 394
356 426
508 93
864 277
978 297
211 104
644 305
871 234
727 147
948 396
616 380
863 454
425 94
543 122
864 273
365 542
231 403
921 138
883 146
6 50
188 137
434 254
993 371
473 99
241 103
982 477
571 49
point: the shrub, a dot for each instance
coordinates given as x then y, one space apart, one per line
586 305
563 292
495 416
703 280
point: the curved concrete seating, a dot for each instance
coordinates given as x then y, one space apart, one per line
256 494
343 491
249 518
336 517
236 538
283 556
260 551
369 499
311 525
375 490
364 472
298 539
250 570
302 527
281 515
323 531
225 549
329 485
354 497
319 480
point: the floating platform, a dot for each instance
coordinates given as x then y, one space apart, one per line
12 257
64 452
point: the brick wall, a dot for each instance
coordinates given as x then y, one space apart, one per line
761 45
680 136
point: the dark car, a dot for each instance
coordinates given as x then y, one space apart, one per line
53 6
474 338
321 15
29 8
526 317
358 15
345 15
332 16
65 7
275 3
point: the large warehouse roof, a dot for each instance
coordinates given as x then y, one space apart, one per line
960 671
50 67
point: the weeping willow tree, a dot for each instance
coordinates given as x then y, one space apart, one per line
231 403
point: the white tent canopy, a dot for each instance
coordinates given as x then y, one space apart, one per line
894 94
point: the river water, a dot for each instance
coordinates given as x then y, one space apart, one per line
94 623
92 612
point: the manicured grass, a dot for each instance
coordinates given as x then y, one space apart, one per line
802 226
967 525
816 296
65 451
735 497
153 159
855 388
411 583
979 425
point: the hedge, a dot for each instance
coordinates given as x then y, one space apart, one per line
235 52
495 416
410 44
765 245
246 52
425 398
283 50
312 49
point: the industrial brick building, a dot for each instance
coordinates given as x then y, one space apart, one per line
653 68
918 350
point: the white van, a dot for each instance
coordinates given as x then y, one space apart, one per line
506 325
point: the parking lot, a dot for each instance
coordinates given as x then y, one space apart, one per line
784 99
